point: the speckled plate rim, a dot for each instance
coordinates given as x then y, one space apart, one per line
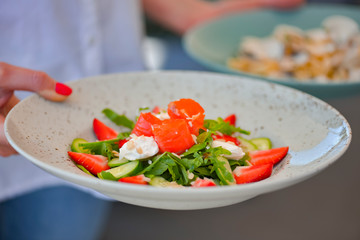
265 186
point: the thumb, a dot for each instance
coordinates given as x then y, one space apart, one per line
17 78
5 147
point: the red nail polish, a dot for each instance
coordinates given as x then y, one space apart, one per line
63 89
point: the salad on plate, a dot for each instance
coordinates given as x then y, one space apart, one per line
175 147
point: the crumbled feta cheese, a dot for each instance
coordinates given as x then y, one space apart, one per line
238 170
236 151
194 137
115 153
162 115
190 175
176 155
138 148
146 179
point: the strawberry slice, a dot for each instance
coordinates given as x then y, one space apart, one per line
271 156
252 173
226 138
93 163
143 126
231 119
189 110
122 142
139 179
203 183
102 131
173 135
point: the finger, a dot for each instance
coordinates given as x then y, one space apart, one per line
18 78
5 147
285 4
5 109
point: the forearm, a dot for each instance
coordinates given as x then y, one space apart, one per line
180 15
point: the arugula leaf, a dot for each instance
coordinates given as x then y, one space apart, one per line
244 161
223 127
167 162
143 109
191 164
221 165
223 170
204 137
120 120
157 167
219 151
194 149
123 135
204 141
206 172
182 176
104 148
84 169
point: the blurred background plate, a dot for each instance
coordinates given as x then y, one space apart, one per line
212 43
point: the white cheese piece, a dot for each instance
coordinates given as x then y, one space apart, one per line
162 115
138 148
236 151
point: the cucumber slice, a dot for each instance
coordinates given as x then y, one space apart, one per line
247 145
162 182
115 162
75 146
262 143
225 173
125 170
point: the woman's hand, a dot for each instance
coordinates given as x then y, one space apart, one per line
16 78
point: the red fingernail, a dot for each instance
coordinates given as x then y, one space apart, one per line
62 89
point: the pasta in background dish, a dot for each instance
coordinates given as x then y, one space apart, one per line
327 54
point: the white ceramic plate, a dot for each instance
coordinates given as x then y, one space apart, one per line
316 133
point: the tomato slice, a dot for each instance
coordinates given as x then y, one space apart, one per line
227 138
231 119
189 110
143 126
173 135
102 131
